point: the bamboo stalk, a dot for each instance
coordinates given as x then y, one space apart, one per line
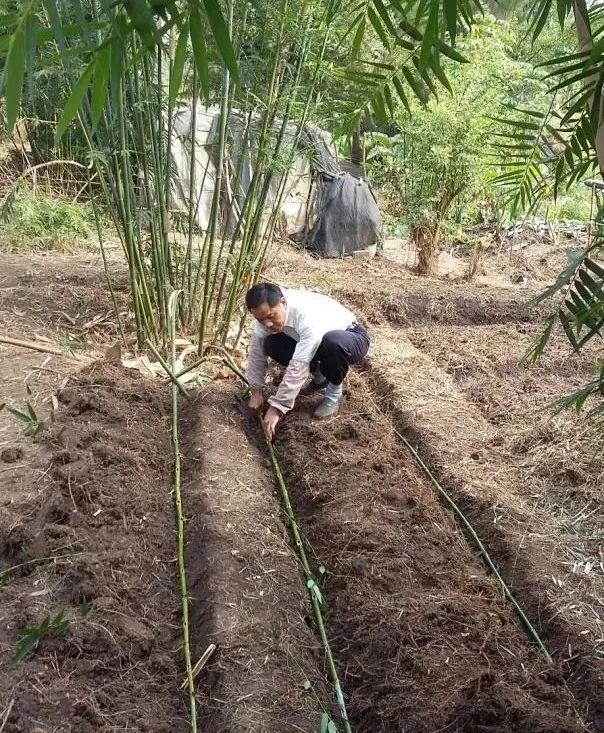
34 346
180 523
309 579
224 101
173 377
532 632
299 545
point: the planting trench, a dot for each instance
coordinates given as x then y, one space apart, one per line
266 675
510 496
421 637
528 483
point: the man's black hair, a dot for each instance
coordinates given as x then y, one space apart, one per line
263 293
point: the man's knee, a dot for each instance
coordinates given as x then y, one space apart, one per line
331 342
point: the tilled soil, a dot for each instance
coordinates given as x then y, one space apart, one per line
383 291
420 632
91 536
528 479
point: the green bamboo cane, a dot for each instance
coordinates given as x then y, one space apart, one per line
303 557
99 232
180 522
507 594
193 206
310 581
157 253
174 378
266 125
217 191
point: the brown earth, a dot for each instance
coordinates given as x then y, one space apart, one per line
530 481
422 639
247 595
420 631
87 529
88 532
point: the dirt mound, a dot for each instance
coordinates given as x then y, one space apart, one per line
420 629
92 538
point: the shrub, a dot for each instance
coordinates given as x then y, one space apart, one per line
45 223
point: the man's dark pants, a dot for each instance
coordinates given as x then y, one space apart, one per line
337 351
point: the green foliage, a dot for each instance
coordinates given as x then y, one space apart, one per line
327 725
439 156
31 424
580 313
29 638
574 204
43 222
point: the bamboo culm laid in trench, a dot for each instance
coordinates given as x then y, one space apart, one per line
311 584
180 522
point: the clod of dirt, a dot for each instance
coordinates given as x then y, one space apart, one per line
11 454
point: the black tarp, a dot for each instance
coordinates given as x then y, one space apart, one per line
346 216
343 215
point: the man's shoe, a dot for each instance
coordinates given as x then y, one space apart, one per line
328 408
313 387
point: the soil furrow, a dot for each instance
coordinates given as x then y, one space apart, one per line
474 459
247 596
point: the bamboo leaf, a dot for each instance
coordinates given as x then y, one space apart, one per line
388 100
574 262
534 353
541 18
200 52
568 330
18 414
221 35
594 267
378 27
450 8
14 74
74 101
379 108
358 39
142 19
179 63
32 27
383 13
115 71
419 91
563 11
400 90
100 83
430 36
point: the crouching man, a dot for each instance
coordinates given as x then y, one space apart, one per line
313 335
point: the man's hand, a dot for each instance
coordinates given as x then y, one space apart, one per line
270 421
256 400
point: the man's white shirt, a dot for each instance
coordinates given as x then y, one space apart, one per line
309 316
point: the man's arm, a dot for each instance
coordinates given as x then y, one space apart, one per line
293 380
297 371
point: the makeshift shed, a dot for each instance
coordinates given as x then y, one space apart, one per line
327 210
